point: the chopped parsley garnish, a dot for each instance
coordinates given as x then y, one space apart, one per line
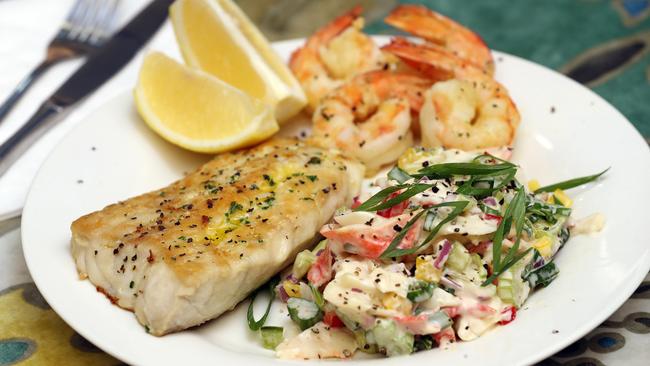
268 179
314 160
234 207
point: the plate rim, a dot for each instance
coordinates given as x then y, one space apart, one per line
603 314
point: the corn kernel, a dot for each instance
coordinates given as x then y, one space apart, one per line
292 289
425 271
392 301
563 198
533 185
543 246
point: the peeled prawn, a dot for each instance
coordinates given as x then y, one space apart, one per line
467 109
333 54
436 62
458 114
438 29
369 117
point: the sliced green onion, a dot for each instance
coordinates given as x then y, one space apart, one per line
271 337
441 318
398 174
564 235
547 211
571 183
318 297
303 312
257 324
423 343
420 291
542 276
376 202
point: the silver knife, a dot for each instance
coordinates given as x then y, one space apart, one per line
100 66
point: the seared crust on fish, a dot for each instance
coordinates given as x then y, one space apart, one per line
184 254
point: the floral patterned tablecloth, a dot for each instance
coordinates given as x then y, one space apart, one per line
601 43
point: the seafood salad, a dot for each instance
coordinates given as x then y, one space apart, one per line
448 244
445 247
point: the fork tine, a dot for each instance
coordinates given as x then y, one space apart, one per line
72 20
80 19
89 19
104 22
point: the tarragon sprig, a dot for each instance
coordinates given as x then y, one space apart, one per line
514 214
571 183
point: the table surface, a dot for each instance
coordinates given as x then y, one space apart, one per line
601 43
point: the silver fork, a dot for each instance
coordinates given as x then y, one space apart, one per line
86 27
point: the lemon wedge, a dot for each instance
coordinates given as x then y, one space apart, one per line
218 38
197 111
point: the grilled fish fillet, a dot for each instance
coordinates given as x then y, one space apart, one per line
184 254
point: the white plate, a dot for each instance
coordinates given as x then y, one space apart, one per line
583 135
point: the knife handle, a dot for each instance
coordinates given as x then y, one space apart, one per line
42 120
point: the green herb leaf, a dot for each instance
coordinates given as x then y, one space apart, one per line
507 266
447 170
485 185
571 183
234 207
515 214
393 251
376 202
257 324
489 210
541 210
489 159
314 160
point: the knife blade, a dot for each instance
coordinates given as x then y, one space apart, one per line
99 67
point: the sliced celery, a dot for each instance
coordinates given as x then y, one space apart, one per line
303 262
392 338
458 258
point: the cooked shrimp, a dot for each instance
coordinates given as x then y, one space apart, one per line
333 54
438 29
369 117
460 114
434 61
470 111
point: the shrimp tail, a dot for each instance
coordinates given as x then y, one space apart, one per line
327 32
433 61
442 31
